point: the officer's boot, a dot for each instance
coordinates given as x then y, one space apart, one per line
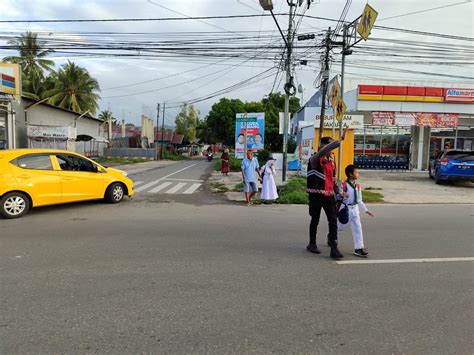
335 253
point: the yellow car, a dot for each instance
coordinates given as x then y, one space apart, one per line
40 177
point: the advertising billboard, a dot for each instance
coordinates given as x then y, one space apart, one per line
249 132
10 80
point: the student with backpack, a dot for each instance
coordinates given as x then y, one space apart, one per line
352 194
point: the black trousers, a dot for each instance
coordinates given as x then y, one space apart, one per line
328 203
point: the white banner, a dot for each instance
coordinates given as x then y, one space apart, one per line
405 119
51 132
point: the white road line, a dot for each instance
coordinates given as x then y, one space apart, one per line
402 261
187 180
176 172
147 186
135 183
192 189
160 187
176 188
153 183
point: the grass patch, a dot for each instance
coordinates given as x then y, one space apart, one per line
234 164
294 192
174 157
120 160
373 188
238 187
219 187
371 197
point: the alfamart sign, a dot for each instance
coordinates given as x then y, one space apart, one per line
460 95
51 132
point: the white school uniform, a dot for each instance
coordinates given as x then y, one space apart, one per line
354 215
269 190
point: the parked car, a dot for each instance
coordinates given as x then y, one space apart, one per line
40 177
452 165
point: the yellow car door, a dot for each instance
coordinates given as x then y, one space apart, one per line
35 175
81 180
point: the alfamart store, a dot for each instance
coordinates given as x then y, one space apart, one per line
413 121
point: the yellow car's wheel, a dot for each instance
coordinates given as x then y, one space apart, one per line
115 193
14 205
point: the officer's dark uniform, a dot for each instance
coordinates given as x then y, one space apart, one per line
322 188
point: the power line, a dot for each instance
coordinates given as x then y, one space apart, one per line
426 10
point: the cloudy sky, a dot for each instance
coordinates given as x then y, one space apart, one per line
133 79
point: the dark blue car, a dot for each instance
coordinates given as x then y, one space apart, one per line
453 165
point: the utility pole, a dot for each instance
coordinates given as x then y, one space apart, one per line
157 124
162 130
289 87
345 51
324 84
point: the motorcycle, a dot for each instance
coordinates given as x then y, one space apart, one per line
209 156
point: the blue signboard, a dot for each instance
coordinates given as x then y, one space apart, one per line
250 126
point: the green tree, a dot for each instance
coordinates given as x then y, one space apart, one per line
74 89
220 121
106 115
275 103
187 122
31 55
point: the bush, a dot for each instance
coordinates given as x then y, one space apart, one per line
174 157
294 192
234 164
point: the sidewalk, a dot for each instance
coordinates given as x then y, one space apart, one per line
396 187
235 178
416 187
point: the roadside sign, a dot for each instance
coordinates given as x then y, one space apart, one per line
340 110
367 21
335 94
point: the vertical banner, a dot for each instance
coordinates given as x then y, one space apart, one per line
250 130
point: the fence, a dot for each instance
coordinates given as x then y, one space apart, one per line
130 153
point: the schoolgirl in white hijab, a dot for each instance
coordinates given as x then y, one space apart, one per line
269 190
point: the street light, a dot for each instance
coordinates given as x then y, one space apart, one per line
267 5
289 87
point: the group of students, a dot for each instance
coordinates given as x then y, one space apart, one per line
325 193
340 202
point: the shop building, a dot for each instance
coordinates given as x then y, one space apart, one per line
410 123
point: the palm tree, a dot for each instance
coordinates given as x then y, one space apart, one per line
74 89
106 115
35 86
31 55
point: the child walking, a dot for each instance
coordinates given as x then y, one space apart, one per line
352 194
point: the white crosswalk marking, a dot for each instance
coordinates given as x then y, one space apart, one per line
136 183
176 188
192 189
147 186
160 187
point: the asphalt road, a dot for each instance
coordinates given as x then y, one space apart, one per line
184 182
159 277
